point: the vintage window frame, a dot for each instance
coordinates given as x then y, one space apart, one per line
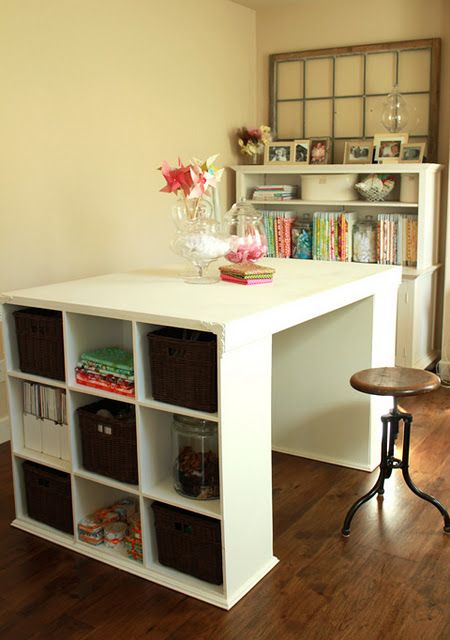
431 44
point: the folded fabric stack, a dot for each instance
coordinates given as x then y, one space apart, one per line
110 369
246 273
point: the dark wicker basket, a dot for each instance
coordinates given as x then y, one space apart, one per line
188 542
109 444
49 496
183 366
40 342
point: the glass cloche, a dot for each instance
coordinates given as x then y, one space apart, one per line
248 241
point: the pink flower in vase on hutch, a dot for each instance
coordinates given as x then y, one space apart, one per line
252 141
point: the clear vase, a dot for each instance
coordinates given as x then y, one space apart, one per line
198 239
254 158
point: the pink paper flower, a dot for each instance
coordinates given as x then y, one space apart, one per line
194 180
178 178
198 181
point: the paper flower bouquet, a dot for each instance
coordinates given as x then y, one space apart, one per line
252 141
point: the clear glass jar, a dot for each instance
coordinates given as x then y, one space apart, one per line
365 241
195 457
302 238
198 239
248 240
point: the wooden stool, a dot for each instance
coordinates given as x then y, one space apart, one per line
397 382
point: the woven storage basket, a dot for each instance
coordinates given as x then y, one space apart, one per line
184 370
372 189
49 496
188 542
40 342
109 444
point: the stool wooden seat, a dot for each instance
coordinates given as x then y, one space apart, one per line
397 382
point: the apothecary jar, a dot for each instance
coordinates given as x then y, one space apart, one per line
195 457
198 239
365 241
247 237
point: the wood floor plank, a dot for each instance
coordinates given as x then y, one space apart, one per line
389 579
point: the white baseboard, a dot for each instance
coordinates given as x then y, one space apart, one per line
5 433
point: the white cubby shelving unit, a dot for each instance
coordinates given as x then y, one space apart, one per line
91 491
416 311
265 339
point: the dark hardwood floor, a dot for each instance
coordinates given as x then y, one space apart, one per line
390 579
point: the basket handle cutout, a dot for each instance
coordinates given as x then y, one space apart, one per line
103 428
43 483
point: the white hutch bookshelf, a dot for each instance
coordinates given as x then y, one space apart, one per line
416 311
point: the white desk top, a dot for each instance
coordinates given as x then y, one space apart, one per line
301 290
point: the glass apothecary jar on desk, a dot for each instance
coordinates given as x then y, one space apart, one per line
195 457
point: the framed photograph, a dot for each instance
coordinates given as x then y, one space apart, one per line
301 151
358 151
278 152
412 152
319 150
387 146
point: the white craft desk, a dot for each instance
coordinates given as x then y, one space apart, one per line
286 351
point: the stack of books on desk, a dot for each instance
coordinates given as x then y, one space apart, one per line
275 192
246 273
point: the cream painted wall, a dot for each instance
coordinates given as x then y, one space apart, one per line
94 95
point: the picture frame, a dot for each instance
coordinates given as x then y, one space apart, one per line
280 152
358 152
319 150
413 152
301 151
387 146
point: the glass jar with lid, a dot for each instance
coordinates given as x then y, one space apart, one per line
248 240
365 241
195 457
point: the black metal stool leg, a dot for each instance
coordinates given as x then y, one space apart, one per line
385 470
393 433
407 419
379 484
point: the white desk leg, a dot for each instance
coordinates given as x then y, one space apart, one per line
246 465
316 414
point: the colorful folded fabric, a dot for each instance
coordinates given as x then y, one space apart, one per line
91 367
100 382
113 358
246 273
247 270
226 278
